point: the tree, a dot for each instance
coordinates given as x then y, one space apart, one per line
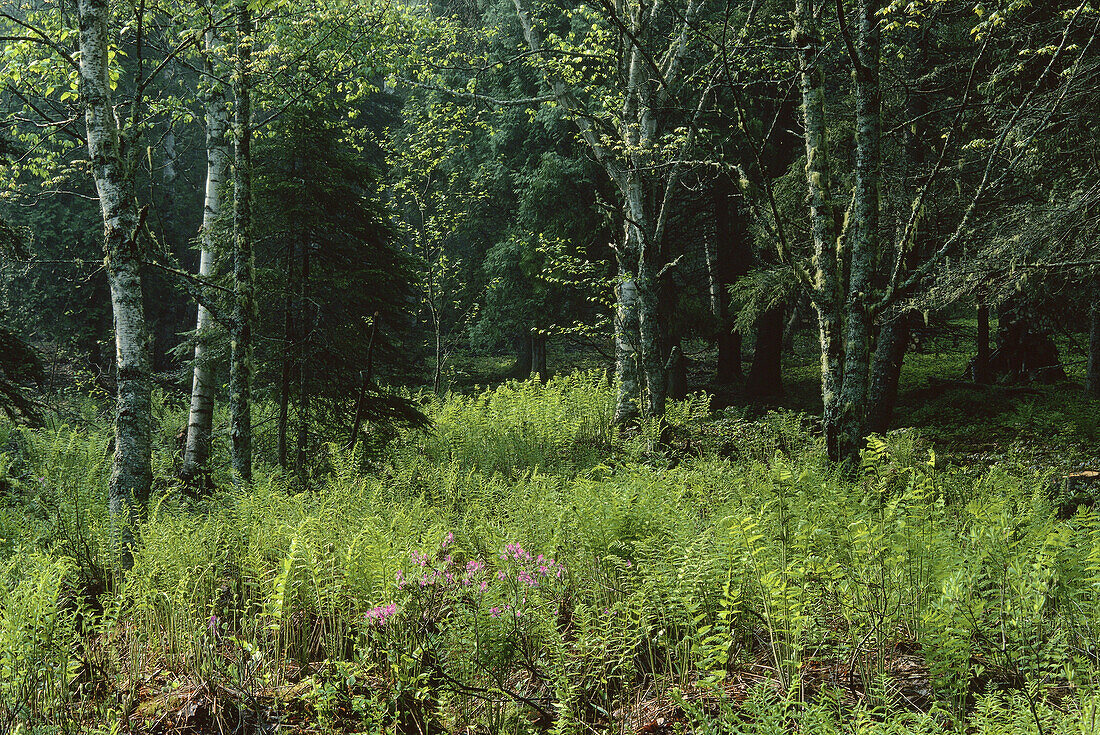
201 415
335 287
20 364
629 76
849 286
243 314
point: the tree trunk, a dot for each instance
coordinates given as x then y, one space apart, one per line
1092 371
639 242
626 353
523 355
983 372
765 378
305 328
201 417
677 373
864 241
538 355
240 368
729 356
108 149
437 375
893 339
732 258
826 275
651 355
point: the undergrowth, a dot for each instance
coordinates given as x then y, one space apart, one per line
524 566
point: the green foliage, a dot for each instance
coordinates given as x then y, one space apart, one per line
525 562
517 427
38 641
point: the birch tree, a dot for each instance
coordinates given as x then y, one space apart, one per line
201 415
38 63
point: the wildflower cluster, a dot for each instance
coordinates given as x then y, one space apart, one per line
527 569
431 581
380 614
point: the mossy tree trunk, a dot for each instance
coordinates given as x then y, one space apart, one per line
826 286
890 348
864 244
111 154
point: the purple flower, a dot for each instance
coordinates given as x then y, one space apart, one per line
494 612
379 615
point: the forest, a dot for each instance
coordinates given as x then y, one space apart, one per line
639 367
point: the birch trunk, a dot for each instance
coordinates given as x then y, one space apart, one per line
201 417
626 353
826 275
852 415
240 368
108 149
651 356
631 163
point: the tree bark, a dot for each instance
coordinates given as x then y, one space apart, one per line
109 151
626 354
864 241
729 356
677 372
305 331
893 340
1092 371
631 162
240 368
523 355
538 355
765 378
731 260
200 419
826 276
983 371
